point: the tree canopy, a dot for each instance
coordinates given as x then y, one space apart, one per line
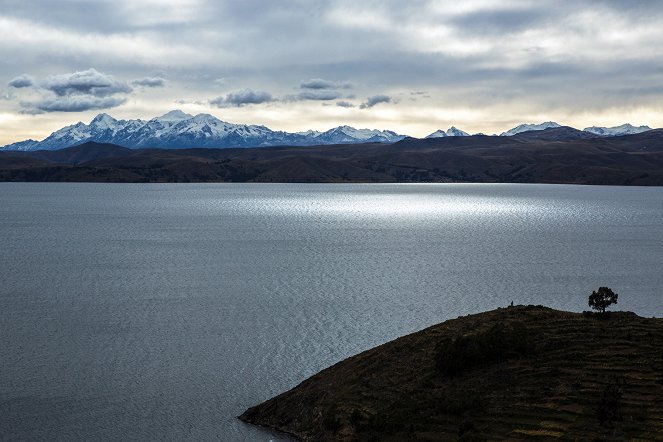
602 298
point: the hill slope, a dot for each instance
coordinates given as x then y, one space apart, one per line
574 370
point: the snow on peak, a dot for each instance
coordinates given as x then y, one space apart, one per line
103 121
206 118
455 132
309 133
624 129
348 134
437 134
451 132
73 132
103 117
174 115
529 127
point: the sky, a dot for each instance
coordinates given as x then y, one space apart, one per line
412 66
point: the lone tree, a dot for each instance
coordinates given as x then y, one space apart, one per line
602 298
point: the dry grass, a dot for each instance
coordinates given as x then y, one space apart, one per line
579 364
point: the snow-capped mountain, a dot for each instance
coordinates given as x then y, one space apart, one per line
309 133
529 127
437 134
624 129
347 134
24 145
455 132
451 132
177 129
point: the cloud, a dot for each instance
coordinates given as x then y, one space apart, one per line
242 98
196 102
481 61
149 82
344 104
22 81
319 83
78 91
375 99
89 82
320 89
324 95
74 103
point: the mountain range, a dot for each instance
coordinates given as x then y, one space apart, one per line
555 155
177 130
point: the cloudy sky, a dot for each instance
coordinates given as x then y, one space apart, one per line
412 66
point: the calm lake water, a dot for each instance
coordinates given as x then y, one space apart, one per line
161 312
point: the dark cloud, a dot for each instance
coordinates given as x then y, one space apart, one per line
319 83
73 103
344 104
321 89
323 95
375 99
149 82
242 98
89 82
78 91
22 81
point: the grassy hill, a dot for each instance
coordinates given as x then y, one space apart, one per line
517 373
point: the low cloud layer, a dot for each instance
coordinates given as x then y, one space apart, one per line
319 94
319 83
22 81
150 82
319 89
375 99
73 103
345 104
89 82
74 92
242 98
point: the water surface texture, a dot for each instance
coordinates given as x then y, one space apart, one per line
161 312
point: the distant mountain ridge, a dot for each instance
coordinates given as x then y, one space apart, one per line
451 132
177 130
624 129
530 127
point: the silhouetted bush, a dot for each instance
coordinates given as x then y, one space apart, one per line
498 343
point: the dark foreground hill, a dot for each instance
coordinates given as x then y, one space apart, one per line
560 155
517 373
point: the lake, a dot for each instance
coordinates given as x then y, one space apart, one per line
161 312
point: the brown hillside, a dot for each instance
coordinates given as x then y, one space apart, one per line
574 369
